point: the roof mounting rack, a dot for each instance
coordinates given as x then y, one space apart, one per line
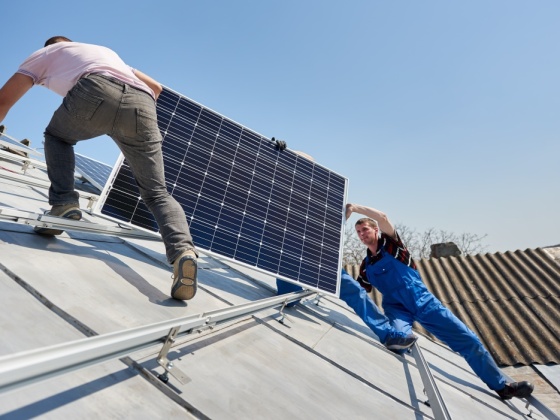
26 162
17 370
435 400
46 221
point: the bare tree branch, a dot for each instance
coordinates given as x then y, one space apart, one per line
354 251
419 244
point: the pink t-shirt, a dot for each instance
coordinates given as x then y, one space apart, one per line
59 66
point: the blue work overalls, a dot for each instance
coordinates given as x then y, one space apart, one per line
406 299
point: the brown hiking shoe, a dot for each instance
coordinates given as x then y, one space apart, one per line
184 276
68 211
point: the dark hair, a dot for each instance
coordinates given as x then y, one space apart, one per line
55 39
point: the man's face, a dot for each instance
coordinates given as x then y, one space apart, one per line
367 234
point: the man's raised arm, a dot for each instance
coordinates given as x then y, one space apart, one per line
12 91
384 223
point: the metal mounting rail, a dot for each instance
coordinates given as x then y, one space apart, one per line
43 220
26 162
17 370
434 397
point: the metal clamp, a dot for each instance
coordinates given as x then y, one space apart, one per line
167 364
318 299
91 201
25 166
282 314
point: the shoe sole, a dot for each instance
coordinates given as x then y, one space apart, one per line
525 394
184 287
402 347
72 215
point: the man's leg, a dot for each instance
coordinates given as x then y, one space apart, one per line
400 319
442 323
84 114
60 169
137 135
357 298
60 159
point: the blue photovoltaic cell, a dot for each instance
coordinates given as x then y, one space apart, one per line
244 199
97 173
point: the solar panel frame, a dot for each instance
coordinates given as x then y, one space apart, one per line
95 172
10 142
245 201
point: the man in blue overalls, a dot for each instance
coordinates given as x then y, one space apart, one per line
389 268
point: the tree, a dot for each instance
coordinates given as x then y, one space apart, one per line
419 244
354 251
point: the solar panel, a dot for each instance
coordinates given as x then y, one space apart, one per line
10 143
97 173
271 210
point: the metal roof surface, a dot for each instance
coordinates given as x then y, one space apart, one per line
321 363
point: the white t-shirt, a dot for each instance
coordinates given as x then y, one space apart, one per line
59 66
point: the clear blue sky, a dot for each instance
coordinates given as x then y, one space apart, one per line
443 114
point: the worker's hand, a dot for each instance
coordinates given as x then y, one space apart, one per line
280 144
348 210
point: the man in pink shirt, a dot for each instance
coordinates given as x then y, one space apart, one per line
103 95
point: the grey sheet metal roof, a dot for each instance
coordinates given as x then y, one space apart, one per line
511 300
321 363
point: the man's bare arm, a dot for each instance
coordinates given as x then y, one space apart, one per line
384 223
12 91
152 84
